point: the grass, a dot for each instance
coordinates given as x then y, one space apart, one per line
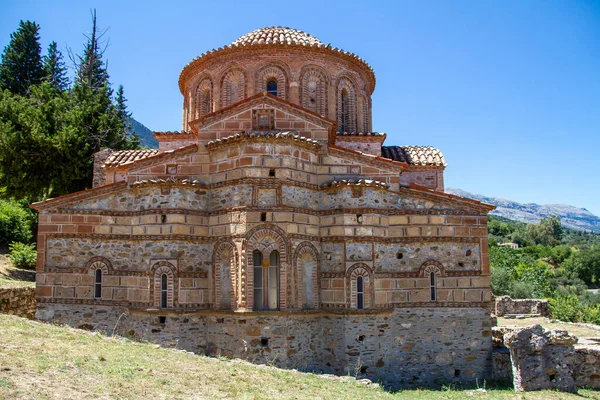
14 277
42 361
577 330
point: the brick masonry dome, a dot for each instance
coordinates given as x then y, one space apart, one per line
277 34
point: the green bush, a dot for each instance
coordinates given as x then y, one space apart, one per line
15 223
23 255
591 314
565 308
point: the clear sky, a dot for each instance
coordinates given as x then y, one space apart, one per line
509 90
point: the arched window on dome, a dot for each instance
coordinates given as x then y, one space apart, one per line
346 106
272 87
344 112
204 98
314 92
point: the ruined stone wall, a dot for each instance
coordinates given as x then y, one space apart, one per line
400 348
18 301
507 306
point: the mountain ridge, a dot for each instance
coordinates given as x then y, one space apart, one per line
570 216
144 133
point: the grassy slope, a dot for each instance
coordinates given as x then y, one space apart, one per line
40 361
10 277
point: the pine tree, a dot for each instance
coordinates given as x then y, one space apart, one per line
54 68
133 140
21 65
91 70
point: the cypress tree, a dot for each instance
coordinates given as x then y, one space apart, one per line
54 68
133 140
21 64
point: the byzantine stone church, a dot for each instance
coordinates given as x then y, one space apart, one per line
277 227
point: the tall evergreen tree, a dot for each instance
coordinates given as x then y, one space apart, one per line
54 68
91 70
133 140
21 64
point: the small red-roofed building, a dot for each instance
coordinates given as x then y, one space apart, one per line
276 227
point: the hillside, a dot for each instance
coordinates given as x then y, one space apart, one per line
42 361
145 134
571 217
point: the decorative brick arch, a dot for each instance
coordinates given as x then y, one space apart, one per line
203 101
430 266
272 72
224 253
313 90
233 86
102 263
265 238
356 270
346 105
156 272
307 252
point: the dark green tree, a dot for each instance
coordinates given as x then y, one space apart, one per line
133 141
54 68
21 65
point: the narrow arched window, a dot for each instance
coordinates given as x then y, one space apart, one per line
360 293
273 296
272 87
344 120
258 280
432 286
164 286
98 284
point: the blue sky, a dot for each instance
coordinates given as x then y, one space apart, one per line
508 90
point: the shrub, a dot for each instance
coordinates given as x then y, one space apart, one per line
591 314
565 308
15 223
23 255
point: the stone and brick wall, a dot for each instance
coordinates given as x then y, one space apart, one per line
18 301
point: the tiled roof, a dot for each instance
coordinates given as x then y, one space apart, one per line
414 155
126 156
291 135
360 134
276 34
168 181
355 182
172 133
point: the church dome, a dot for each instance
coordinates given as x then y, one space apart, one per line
276 35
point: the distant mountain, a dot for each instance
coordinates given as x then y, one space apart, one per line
571 217
144 134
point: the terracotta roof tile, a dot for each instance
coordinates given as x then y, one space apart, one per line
276 34
127 156
291 135
360 134
414 155
355 182
168 181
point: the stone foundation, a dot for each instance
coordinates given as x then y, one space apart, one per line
18 301
398 348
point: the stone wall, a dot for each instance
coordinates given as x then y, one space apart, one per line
400 348
18 301
507 306
533 358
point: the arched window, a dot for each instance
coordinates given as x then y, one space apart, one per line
258 280
98 284
432 286
273 298
314 92
360 293
266 281
272 87
164 286
344 111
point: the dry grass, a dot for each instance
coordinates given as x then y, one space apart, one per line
580 331
41 361
11 277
